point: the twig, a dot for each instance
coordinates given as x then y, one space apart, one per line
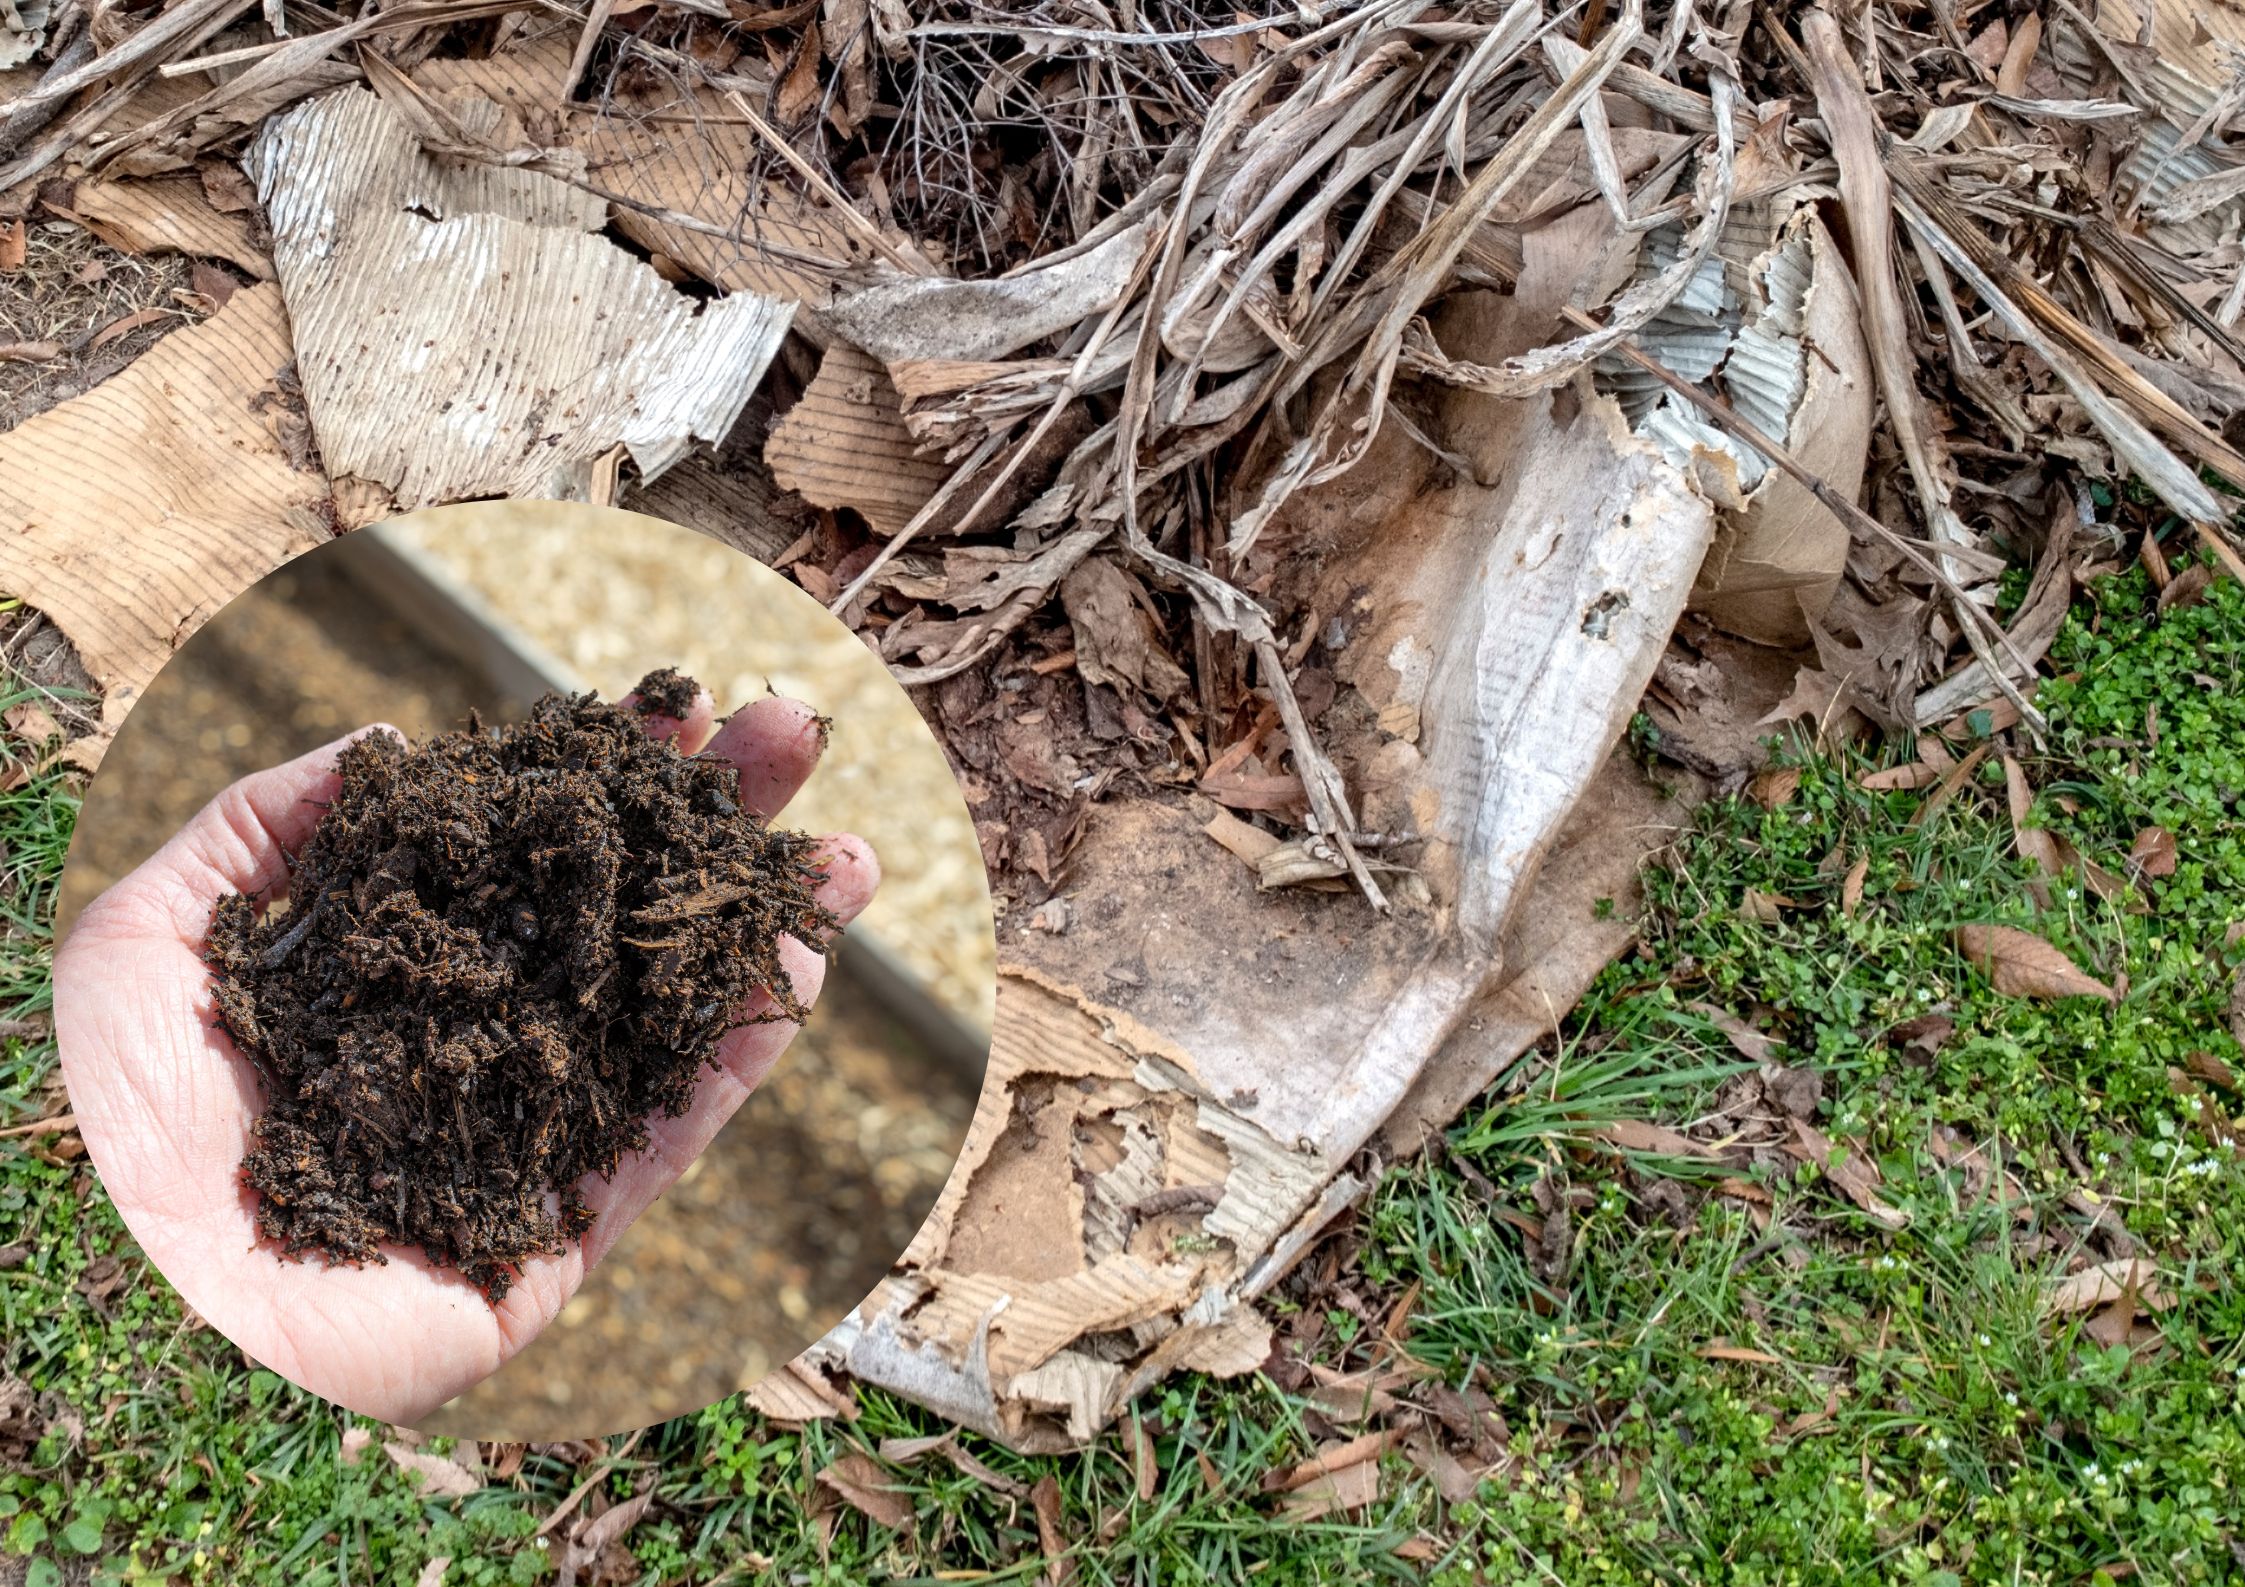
825 190
59 1124
1049 30
595 20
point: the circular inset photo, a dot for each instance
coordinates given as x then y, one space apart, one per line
525 971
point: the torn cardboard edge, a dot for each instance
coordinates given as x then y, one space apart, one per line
131 514
462 330
1044 1362
1140 1170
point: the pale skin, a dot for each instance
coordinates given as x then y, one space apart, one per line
164 1103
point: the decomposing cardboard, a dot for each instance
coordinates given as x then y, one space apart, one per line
463 331
685 150
1581 915
131 514
845 445
1778 559
1141 1169
169 214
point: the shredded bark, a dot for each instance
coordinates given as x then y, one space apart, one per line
506 951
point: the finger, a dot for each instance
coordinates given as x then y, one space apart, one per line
241 841
745 1056
689 732
775 743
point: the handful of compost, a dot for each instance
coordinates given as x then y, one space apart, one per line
504 951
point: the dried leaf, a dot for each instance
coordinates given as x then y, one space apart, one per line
2020 964
355 1440
2211 1069
1249 791
12 245
1336 1489
1749 1042
1739 1353
2101 1285
1766 907
1851 888
226 187
29 352
1250 842
799 89
591 1536
859 1480
2153 853
432 1572
1639 1135
1916 774
2187 589
905 1451
1925 1035
1855 1174
1052 1537
439 1475
1144 1461
1776 786
125 325
1116 641
212 284
1822 697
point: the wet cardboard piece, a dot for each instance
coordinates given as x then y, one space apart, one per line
131 514
1182 1082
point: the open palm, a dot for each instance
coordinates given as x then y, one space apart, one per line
164 1102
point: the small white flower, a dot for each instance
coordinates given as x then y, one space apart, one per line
1985 1342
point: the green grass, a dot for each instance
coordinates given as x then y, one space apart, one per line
1886 1404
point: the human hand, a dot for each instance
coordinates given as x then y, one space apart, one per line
164 1101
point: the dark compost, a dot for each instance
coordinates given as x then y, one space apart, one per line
505 951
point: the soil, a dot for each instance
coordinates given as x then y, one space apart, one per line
506 950
799 1206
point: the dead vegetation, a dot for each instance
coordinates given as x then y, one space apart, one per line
1322 431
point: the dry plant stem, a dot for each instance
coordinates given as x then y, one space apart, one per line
969 467
1046 30
280 77
1069 390
828 194
2165 473
1865 194
123 79
24 118
2033 303
173 28
595 21
1374 323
